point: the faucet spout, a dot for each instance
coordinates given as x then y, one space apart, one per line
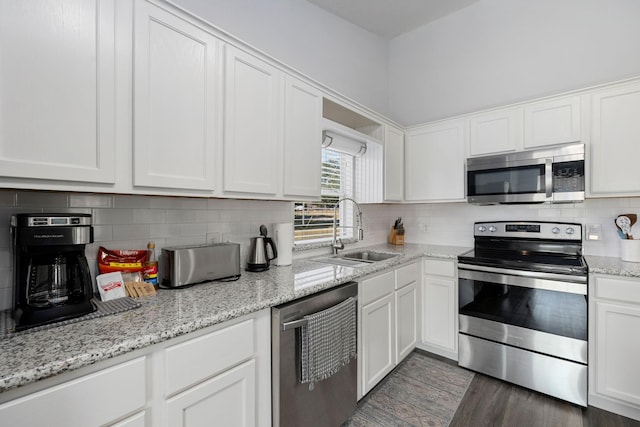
337 243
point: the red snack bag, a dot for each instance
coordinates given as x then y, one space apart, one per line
127 260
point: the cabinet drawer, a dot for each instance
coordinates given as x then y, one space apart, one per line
406 275
193 361
95 399
613 288
377 287
439 268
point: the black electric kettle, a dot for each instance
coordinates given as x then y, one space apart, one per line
258 255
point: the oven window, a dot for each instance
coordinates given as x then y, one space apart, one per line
514 180
558 313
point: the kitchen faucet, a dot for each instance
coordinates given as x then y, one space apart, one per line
335 246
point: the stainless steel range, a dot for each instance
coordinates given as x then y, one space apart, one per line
523 306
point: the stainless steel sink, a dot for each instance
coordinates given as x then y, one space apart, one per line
355 259
368 256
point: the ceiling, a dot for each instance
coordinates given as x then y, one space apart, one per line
390 18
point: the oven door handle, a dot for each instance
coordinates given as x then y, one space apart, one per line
526 279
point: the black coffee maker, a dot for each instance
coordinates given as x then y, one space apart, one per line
51 276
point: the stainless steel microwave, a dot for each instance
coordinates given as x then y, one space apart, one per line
553 175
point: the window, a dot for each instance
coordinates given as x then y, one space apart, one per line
313 221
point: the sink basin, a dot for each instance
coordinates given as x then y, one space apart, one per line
355 259
368 256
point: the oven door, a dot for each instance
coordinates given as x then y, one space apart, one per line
523 181
541 312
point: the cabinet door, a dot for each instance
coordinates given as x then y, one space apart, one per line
494 132
92 400
406 320
57 102
302 140
394 165
551 122
615 132
434 161
440 312
378 341
617 352
174 101
253 105
228 399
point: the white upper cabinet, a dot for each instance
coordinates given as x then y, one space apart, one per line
393 165
495 132
555 121
302 140
253 117
175 101
434 162
615 141
57 96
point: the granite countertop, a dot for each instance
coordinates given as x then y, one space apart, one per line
30 357
613 266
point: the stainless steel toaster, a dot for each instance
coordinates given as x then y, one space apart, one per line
186 265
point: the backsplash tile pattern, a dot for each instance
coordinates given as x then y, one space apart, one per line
130 221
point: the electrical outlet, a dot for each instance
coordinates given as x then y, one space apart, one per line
423 227
593 232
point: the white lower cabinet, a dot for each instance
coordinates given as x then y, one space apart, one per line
440 308
229 399
387 324
217 376
614 351
97 399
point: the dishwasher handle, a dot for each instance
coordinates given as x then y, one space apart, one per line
294 324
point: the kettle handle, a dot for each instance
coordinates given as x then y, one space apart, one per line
269 241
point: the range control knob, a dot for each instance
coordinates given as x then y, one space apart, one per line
555 230
492 229
482 228
569 231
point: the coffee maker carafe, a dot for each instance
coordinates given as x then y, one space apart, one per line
52 280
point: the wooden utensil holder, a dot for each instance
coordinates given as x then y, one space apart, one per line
396 238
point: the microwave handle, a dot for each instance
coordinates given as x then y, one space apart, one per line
548 178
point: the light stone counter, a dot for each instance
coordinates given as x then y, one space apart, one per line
613 266
30 357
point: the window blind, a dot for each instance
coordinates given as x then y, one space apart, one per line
313 221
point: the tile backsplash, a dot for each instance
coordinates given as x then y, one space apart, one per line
130 221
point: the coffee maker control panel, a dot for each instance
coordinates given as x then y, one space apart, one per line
52 220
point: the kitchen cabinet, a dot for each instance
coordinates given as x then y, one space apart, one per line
229 399
252 132
393 164
377 331
614 148
176 101
614 312
58 100
554 121
92 400
387 325
220 373
407 310
435 162
302 140
495 131
440 308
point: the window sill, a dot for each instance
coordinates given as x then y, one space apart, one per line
301 247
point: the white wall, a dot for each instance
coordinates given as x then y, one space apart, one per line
326 48
497 52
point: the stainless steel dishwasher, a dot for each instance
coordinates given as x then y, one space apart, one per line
332 400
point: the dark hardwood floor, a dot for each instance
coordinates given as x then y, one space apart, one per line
491 402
